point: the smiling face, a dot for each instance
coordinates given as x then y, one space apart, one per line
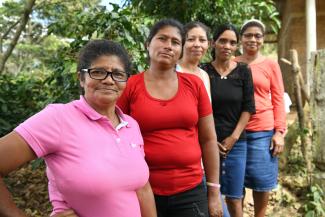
196 44
101 93
252 39
165 47
225 45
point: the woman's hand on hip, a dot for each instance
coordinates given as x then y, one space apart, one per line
66 213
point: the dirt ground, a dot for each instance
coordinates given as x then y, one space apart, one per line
29 189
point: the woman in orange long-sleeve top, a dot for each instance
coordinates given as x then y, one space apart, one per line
265 130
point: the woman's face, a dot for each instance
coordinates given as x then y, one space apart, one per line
100 93
166 46
225 45
196 44
252 39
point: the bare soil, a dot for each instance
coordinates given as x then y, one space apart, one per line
29 189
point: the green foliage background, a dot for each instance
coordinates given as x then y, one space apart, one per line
42 68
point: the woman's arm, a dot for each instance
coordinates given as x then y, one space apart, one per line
243 120
248 108
229 142
147 201
277 92
14 152
210 156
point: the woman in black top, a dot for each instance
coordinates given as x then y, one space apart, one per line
232 97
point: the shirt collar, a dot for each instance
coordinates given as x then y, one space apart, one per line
92 114
122 124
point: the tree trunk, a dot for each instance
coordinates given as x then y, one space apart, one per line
23 21
317 100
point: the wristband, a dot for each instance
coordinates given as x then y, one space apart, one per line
213 185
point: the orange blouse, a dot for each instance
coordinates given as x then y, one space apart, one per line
269 100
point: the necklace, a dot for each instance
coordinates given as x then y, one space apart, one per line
115 120
222 72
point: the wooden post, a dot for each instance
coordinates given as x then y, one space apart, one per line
295 70
304 132
311 35
317 104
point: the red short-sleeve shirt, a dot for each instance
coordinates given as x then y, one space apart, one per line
170 131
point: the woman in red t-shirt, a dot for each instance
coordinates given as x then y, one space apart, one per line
175 117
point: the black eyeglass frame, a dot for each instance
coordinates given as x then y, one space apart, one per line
257 36
107 74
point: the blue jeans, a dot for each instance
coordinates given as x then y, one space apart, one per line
261 167
232 171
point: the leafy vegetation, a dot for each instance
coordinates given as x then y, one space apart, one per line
19 97
212 13
315 203
42 66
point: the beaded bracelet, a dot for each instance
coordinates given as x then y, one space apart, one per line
213 185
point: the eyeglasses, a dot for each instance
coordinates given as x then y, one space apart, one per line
258 36
101 74
224 41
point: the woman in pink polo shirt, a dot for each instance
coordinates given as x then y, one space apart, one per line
93 152
175 117
265 130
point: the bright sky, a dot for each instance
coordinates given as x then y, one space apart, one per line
106 2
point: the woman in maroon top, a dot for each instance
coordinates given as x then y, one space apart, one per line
175 117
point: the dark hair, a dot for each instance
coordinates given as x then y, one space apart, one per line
97 48
221 29
252 23
196 24
162 24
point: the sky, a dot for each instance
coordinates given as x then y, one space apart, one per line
106 2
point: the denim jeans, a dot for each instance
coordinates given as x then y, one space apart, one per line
232 171
261 167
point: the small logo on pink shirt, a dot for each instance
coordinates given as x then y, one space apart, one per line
136 145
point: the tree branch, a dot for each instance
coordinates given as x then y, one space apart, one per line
23 21
9 29
4 36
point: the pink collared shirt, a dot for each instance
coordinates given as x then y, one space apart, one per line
92 167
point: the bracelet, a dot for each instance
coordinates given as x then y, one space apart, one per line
213 185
